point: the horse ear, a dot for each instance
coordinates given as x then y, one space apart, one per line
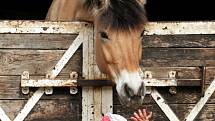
143 2
102 3
99 4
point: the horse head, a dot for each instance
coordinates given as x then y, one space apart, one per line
119 28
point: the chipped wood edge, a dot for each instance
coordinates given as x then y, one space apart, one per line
163 105
174 28
36 27
152 28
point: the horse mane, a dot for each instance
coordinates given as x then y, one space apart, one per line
89 4
120 14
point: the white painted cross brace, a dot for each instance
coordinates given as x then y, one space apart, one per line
67 55
3 116
59 66
195 111
198 107
29 105
163 105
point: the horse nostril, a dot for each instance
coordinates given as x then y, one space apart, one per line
142 90
129 92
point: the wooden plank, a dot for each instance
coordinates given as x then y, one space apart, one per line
70 110
97 103
107 100
163 105
36 62
87 104
181 110
20 26
36 41
87 92
181 72
174 28
210 73
152 28
181 57
46 110
185 41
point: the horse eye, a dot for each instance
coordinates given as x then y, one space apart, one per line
104 35
142 34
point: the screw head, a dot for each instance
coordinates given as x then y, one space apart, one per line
73 90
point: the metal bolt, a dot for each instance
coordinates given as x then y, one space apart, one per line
48 90
148 90
74 75
25 75
73 90
148 74
25 90
173 90
48 76
172 74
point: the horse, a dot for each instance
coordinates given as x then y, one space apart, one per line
119 26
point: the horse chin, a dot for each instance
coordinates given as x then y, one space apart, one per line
130 102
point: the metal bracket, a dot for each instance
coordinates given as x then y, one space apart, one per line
149 81
172 90
203 68
25 76
48 90
73 89
48 83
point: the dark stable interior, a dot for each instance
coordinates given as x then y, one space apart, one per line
157 10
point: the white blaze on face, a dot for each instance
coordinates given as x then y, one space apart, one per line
133 80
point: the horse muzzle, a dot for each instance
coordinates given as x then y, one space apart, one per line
128 97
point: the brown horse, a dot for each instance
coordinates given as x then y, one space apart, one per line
119 29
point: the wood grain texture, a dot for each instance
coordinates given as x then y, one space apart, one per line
181 72
178 57
185 41
37 62
36 41
45 110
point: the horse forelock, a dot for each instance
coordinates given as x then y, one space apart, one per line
122 14
90 4
118 14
